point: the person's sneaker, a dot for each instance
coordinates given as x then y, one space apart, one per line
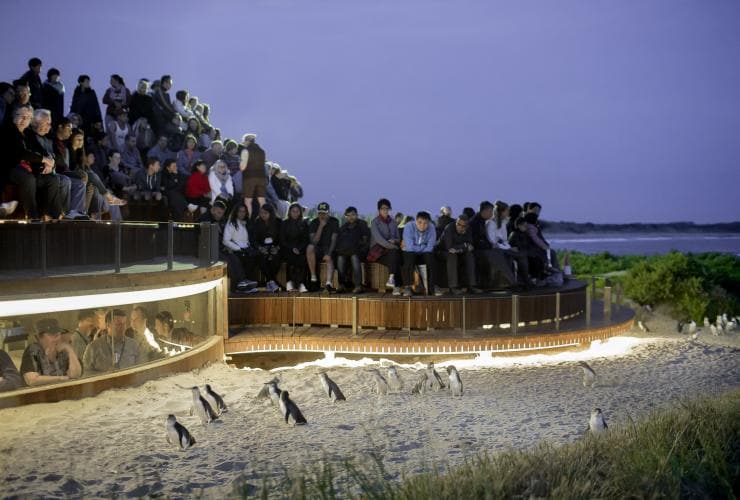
313 286
396 291
438 292
391 282
246 284
272 287
114 201
407 292
192 208
357 289
289 287
8 207
474 290
329 288
457 291
302 288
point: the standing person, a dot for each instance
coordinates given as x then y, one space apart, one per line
141 105
118 130
85 103
30 171
7 98
53 95
162 101
33 78
353 243
457 243
112 350
49 360
266 239
419 238
117 97
385 241
252 166
322 235
293 243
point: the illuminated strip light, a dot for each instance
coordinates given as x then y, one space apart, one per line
76 302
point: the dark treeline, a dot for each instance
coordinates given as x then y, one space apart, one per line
670 227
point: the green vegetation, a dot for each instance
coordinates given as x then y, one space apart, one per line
691 451
691 285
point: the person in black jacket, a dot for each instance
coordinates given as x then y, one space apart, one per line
456 243
173 185
522 243
33 78
293 243
494 259
53 96
30 171
10 378
85 103
353 243
142 106
265 235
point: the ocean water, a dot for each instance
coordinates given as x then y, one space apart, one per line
645 243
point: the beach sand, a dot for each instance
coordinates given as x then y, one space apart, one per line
114 444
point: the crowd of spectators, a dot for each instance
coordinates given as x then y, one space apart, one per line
148 145
100 342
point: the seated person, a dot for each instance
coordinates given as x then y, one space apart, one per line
85 332
533 214
457 243
172 340
197 188
149 349
520 241
149 181
10 379
240 255
492 258
322 236
266 239
220 181
112 350
49 360
131 157
498 235
173 187
161 152
353 243
419 238
385 241
293 243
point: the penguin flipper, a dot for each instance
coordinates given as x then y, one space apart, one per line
338 396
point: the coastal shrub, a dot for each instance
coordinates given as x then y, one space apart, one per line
691 451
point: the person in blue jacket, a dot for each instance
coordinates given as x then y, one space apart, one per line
418 244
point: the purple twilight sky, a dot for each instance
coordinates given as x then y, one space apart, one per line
604 111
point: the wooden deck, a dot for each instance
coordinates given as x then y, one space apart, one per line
542 337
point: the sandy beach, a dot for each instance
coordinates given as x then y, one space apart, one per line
114 444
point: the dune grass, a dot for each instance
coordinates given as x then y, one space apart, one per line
690 451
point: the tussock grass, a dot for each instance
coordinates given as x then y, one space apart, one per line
690 451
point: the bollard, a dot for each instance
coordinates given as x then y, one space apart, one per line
557 311
514 314
607 302
117 243
170 245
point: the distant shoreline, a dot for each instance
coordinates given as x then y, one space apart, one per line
562 227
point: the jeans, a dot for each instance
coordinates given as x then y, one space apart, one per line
356 268
468 260
411 259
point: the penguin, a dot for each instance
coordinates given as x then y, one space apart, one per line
331 388
381 384
589 375
597 422
692 327
273 392
456 385
394 379
725 319
202 408
695 335
290 410
720 330
649 308
719 321
177 433
434 378
679 327
731 325
713 329
643 327
265 392
706 322
216 400
422 385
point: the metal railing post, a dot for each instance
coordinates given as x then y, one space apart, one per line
354 315
43 248
214 243
117 243
589 298
204 244
170 245
557 311
607 302
463 315
514 313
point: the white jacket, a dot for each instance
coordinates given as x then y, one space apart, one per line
498 237
216 185
236 238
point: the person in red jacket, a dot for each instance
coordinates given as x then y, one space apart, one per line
197 189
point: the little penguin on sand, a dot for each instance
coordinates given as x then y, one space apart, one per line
597 422
589 375
434 378
394 379
290 410
265 391
331 388
177 434
422 384
202 408
456 385
217 402
381 384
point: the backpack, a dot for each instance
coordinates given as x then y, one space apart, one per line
144 134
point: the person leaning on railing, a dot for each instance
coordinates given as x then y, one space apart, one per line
49 360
